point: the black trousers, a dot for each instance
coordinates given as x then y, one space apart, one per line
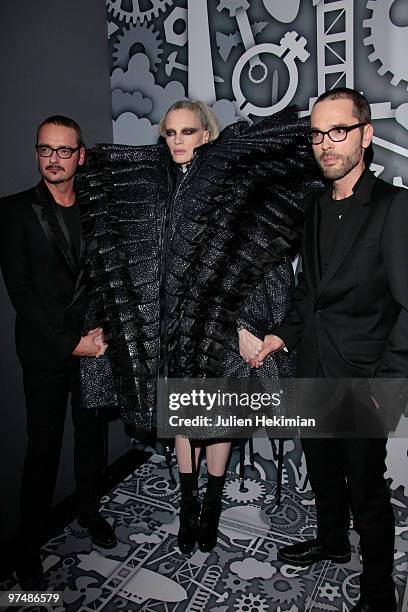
348 474
47 394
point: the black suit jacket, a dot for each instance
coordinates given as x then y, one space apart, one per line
43 279
353 322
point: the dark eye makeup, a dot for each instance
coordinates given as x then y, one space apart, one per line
186 131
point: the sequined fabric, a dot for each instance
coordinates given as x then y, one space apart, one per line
176 264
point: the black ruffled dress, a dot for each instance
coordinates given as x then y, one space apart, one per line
179 260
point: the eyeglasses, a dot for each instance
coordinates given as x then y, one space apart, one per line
62 152
336 134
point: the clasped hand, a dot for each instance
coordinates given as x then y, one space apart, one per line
91 345
254 350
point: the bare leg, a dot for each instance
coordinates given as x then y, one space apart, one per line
217 456
183 454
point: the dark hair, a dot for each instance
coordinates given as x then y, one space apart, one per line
361 108
65 122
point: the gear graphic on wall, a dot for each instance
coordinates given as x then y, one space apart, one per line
283 590
254 490
138 34
131 11
383 31
249 602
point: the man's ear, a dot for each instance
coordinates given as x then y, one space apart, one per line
81 158
368 132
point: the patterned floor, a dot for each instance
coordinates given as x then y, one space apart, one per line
146 572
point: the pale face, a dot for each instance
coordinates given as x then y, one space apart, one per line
54 169
338 160
184 132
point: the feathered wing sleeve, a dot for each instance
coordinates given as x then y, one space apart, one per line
122 199
242 215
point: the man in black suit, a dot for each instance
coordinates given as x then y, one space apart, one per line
40 254
350 320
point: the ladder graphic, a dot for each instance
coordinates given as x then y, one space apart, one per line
328 15
115 584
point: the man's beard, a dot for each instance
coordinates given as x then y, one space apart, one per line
55 179
349 162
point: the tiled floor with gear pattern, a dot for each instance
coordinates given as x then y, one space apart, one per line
146 571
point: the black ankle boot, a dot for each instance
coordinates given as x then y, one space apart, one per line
210 513
187 535
189 513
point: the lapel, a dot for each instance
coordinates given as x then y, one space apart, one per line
80 286
54 227
311 242
352 222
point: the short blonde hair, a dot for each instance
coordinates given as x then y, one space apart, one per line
207 118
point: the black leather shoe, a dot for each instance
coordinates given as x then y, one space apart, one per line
102 534
365 607
309 552
208 524
29 571
187 535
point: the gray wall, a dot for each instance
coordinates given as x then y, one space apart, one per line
53 59
370 55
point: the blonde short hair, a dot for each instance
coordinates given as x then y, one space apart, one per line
207 118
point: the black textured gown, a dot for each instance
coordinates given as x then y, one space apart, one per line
179 260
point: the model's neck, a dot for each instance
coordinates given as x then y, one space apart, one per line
63 193
343 188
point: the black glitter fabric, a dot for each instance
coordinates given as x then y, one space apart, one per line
177 263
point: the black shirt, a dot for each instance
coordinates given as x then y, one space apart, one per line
71 217
330 222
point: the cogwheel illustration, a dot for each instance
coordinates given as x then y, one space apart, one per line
158 487
142 34
235 584
308 530
253 489
395 466
249 602
168 547
232 6
129 10
143 471
328 591
282 590
285 516
382 32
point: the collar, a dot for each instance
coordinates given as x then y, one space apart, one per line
45 196
197 152
363 187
